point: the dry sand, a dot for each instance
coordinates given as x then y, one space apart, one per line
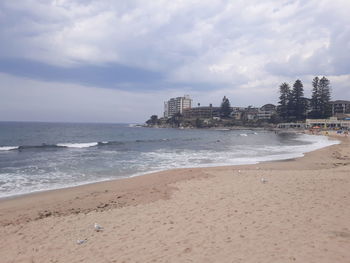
221 214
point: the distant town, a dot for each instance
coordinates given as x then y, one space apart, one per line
292 111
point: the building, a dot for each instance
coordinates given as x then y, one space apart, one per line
332 122
201 112
266 112
166 109
237 112
268 107
250 114
176 105
340 107
291 125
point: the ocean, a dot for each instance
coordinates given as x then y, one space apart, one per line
42 156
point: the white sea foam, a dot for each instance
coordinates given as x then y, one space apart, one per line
222 129
146 162
12 185
243 135
8 148
78 145
167 159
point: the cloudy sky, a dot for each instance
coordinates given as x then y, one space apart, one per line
118 61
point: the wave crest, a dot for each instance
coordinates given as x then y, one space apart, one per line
77 145
8 148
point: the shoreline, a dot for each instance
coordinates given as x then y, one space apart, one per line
284 158
125 181
35 196
214 214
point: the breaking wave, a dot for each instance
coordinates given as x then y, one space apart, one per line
8 148
76 145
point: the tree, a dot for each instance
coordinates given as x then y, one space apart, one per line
320 100
225 109
275 118
175 120
325 97
298 105
153 120
282 108
198 123
315 99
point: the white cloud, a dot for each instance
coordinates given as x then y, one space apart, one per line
240 46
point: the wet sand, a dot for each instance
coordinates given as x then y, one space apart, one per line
298 213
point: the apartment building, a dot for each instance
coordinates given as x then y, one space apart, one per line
176 105
340 107
202 112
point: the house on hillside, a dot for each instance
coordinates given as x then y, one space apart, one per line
266 112
250 114
237 112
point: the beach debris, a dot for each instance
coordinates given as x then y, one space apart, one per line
239 171
98 228
81 241
263 180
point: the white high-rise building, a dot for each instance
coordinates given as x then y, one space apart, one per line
175 105
166 109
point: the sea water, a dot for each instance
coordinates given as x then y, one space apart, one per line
43 156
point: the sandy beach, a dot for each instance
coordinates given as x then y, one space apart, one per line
299 212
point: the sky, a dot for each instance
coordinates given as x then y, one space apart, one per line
118 61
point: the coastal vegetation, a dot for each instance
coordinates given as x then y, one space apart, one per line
321 95
293 106
225 109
